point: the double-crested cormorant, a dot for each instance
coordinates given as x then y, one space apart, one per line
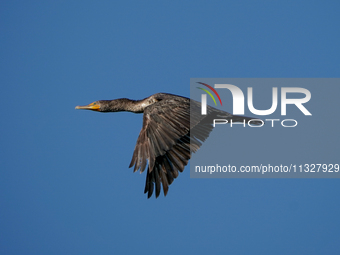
169 134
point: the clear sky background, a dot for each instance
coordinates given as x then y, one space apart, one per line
65 185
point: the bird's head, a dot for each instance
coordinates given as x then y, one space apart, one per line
116 105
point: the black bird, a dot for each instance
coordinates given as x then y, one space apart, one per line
169 134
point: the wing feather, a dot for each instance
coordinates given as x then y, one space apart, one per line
165 143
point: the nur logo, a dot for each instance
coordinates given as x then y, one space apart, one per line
239 100
204 97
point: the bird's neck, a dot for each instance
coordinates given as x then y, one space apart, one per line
124 104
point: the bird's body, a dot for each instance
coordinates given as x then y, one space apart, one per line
173 128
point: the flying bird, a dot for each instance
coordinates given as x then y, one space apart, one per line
173 128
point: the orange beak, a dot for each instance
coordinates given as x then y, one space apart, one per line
92 106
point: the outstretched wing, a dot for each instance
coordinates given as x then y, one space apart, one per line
165 144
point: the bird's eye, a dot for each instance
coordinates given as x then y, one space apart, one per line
94 103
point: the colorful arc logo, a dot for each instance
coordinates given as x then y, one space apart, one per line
208 92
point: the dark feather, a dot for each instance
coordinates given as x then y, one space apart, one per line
173 128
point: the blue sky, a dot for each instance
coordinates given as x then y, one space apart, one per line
65 185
